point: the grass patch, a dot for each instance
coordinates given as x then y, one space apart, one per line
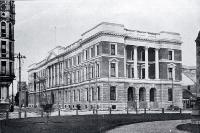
82 123
193 128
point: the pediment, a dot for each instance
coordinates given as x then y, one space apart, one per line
113 60
51 56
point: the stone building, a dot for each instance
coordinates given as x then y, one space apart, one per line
7 21
111 66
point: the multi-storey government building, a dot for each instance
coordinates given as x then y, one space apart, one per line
111 66
7 21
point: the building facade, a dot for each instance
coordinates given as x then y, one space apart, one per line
111 67
7 21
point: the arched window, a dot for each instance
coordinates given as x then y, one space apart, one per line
3 29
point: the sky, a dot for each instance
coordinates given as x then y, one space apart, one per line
35 32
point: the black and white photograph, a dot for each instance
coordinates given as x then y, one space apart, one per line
99 66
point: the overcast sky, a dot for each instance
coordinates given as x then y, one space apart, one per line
36 21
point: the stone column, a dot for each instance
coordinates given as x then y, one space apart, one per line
156 64
137 97
147 97
125 59
146 64
135 63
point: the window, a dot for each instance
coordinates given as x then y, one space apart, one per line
170 55
70 63
3 67
143 73
86 73
79 59
98 93
152 94
78 76
3 48
92 71
112 93
3 29
86 54
74 60
97 67
91 52
170 73
142 55
66 96
79 95
74 94
113 70
92 89
87 94
113 52
11 68
170 94
97 49
132 72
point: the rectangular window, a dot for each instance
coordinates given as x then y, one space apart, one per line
132 55
79 59
74 95
97 49
98 70
113 70
113 49
132 72
79 95
112 93
3 48
11 68
98 93
86 54
74 60
3 67
3 29
70 63
87 94
78 76
91 52
92 94
170 94
170 73
86 73
170 55
92 72
66 96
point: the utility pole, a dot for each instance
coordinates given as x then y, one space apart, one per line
19 57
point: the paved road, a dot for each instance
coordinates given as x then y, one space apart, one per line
151 127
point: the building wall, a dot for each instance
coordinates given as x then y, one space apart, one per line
7 21
67 94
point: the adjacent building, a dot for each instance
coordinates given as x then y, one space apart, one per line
7 21
111 66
